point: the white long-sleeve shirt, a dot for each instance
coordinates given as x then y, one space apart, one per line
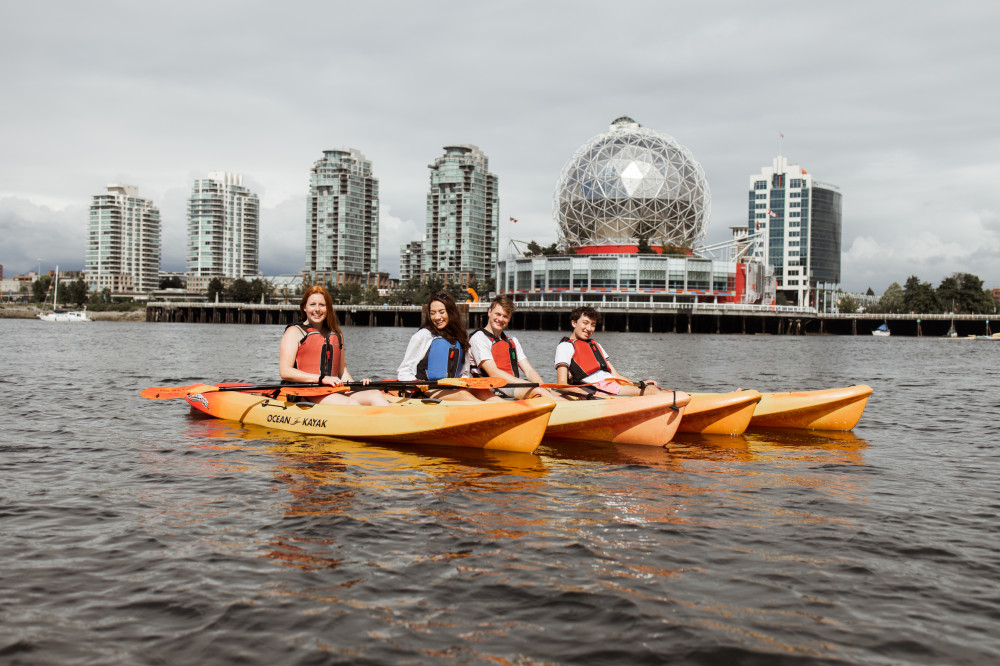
416 350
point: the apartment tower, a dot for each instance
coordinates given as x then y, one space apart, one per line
463 216
123 242
801 223
342 219
223 230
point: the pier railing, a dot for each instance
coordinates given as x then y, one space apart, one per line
616 316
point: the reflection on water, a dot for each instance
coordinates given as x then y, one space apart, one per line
131 528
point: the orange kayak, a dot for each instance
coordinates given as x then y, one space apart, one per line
651 419
828 409
507 426
719 413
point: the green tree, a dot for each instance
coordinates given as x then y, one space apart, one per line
172 282
892 300
848 305
644 247
677 250
216 290
40 288
240 291
920 297
966 292
261 290
77 292
536 250
372 296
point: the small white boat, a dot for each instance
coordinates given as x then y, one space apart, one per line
62 315
882 332
65 315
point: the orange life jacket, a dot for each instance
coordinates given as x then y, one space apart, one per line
504 352
317 353
587 359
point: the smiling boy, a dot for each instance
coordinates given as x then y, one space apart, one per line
498 355
580 360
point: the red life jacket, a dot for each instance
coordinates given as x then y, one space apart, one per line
317 353
504 352
587 359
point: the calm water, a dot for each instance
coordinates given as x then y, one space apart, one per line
132 532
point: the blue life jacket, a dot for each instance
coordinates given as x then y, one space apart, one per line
443 359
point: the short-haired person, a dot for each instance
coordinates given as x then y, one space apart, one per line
440 349
313 352
496 354
580 360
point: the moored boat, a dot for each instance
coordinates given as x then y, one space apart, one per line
828 409
719 413
882 332
508 426
62 315
650 420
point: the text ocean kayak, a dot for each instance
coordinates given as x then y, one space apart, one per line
507 426
827 409
719 413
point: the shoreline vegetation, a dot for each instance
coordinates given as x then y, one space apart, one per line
30 312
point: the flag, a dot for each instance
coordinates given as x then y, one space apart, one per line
513 219
771 213
781 134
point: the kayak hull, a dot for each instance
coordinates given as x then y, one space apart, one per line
650 420
720 413
828 409
506 426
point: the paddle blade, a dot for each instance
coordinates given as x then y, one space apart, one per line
307 391
473 382
169 392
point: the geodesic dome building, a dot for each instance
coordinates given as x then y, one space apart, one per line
631 183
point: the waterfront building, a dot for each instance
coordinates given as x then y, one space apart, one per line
342 219
799 220
629 206
123 242
223 230
411 260
463 217
631 185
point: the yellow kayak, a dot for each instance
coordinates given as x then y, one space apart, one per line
507 426
719 413
827 409
650 420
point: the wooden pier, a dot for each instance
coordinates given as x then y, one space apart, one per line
647 318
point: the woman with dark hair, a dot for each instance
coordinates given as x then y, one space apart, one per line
440 349
312 352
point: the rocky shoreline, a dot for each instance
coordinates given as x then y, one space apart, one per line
108 315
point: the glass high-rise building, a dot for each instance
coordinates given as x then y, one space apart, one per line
223 229
123 242
342 218
801 223
463 216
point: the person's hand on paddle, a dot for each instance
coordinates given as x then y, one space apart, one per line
331 380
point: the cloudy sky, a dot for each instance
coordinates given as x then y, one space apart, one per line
896 103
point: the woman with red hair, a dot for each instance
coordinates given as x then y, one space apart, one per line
312 352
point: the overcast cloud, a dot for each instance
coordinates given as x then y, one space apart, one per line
896 103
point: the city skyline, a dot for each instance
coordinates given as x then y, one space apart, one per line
888 102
